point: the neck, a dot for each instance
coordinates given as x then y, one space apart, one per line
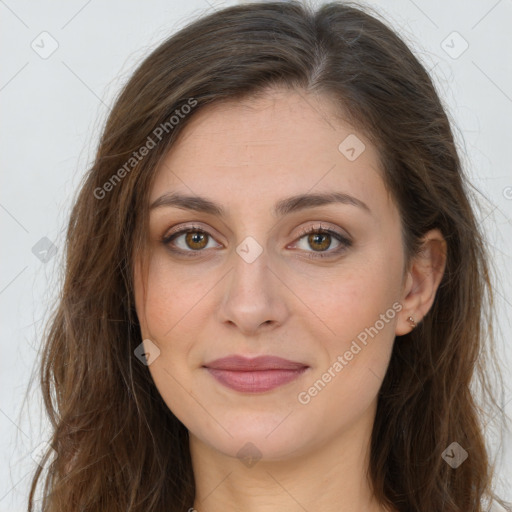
330 477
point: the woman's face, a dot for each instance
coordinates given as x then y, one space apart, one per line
234 272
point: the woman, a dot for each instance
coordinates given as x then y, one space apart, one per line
275 292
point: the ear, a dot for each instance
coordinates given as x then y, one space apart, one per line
423 278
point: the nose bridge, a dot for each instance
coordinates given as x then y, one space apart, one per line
250 273
249 281
252 295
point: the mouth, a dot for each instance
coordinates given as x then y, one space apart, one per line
255 375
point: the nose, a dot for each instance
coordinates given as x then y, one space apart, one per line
254 298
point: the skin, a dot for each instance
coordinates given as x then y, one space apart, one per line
246 156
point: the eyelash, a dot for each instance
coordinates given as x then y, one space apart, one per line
344 241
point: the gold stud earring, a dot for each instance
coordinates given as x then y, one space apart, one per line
412 322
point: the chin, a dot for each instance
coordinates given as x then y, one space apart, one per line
257 436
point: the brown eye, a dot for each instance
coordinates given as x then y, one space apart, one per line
319 241
196 240
189 241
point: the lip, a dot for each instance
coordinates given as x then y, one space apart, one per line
254 375
259 363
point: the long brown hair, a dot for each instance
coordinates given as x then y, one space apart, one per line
118 446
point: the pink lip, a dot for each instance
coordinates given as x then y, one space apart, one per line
254 375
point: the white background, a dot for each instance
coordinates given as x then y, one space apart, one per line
53 108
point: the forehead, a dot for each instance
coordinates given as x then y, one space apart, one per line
281 143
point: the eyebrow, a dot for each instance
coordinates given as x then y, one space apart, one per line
281 208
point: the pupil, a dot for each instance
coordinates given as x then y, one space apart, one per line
197 239
320 239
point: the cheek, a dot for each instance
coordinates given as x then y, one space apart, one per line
359 309
353 298
173 298
347 378
169 316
